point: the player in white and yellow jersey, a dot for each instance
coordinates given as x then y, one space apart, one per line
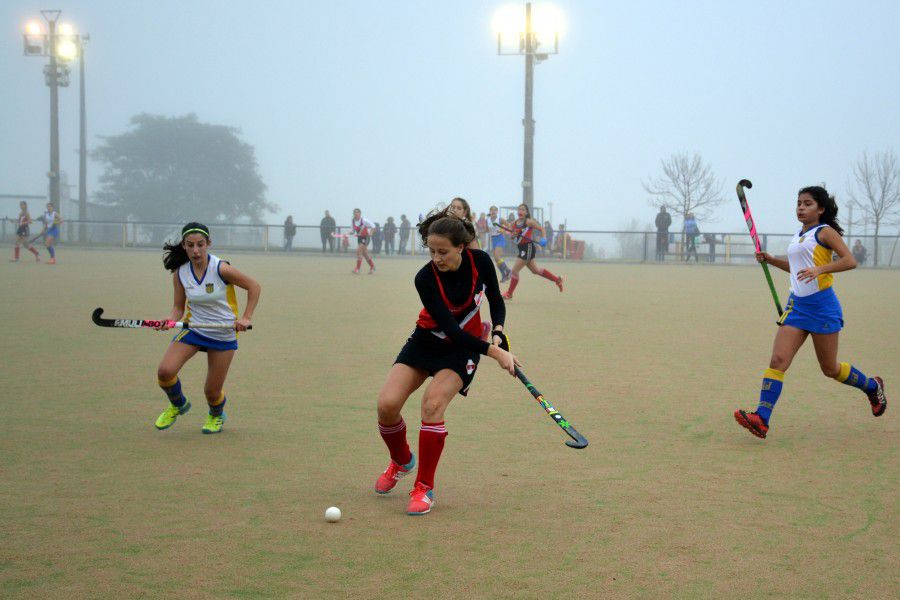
204 290
812 309
51 221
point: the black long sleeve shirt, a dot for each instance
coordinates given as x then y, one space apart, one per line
457 286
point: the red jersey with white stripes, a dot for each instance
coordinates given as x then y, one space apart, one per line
523 230
362 226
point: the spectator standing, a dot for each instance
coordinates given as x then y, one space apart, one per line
663 221
710 239
691 231
548 233
404 234
377 238
326 227
389 231
860 253
290 230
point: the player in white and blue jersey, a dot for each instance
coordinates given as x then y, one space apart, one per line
498 243
812 308
51 221
204 293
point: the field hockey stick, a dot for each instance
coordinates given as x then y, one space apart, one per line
751 225
578 441
343 236
541 243
153 324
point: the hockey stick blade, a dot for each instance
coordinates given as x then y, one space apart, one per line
745 183
578 441
97 318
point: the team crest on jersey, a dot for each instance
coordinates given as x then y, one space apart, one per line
800 241
209 288
470 367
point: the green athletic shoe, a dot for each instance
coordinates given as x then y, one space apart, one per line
213 423
168 416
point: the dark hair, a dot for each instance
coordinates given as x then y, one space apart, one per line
174 255
821 197
465 206
439 222
527 212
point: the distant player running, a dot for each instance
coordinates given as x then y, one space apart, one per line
498 243
50 232
23 230
812 309
459 208
362 229
525 228
204 287
444 345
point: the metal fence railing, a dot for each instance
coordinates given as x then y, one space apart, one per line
582 245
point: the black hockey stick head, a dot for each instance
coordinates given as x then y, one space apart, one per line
745 183
578 441
97 318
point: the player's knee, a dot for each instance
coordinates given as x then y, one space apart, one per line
779 362
831 371
433 406
389 406
165 373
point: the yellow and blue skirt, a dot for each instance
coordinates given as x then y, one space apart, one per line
203 343
817 313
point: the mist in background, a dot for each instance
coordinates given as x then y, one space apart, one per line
397 106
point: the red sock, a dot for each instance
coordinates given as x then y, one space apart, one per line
33 251
358 263
16 253
548 275
394 437
513 282
371 262
431 444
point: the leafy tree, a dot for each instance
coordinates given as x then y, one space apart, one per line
177 169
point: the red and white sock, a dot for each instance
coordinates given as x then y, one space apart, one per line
358 263
548 275
394 437
513 282
431 444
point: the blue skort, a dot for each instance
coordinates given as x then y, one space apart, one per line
817 313
498 241
192 338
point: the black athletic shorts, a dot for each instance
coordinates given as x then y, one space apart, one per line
362 240
526 251
22 231
435 356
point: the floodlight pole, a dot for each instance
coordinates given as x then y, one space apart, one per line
82 144
528 46
51 17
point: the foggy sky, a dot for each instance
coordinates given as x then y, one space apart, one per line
395 106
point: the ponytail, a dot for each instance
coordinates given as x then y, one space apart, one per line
827 202
174 255
440 222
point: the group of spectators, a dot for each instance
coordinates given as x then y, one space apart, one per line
384 238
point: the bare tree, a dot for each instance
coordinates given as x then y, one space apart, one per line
877 189
687 185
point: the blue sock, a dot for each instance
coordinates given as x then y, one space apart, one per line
52 251
772 381
173 391
850 375
219 408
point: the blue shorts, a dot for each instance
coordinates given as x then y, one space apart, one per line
192 338
498 241
817 313
53 232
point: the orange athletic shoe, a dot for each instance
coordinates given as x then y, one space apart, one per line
52 261
507 295
753 422
559 283
877 398
421 499
393 474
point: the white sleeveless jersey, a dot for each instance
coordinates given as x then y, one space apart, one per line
209 299
806 251
495 229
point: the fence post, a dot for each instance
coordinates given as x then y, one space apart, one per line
265 238
645 246
124 234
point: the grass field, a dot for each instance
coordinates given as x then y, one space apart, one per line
671 499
